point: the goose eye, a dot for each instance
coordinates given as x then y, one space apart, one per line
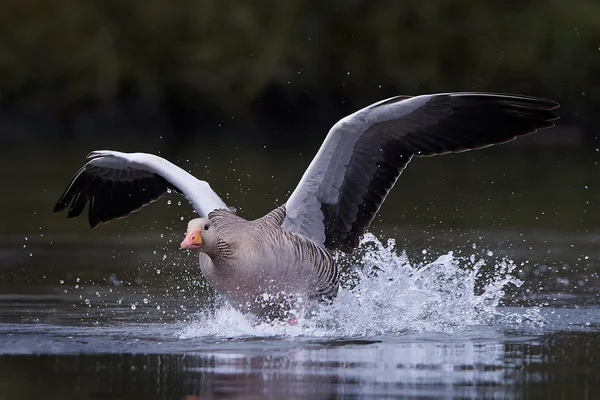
206 227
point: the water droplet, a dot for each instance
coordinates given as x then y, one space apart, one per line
490 253
61 281
146 301
87 301
133 307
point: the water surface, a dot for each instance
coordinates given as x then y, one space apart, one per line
488 289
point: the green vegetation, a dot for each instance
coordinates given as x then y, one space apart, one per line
231 55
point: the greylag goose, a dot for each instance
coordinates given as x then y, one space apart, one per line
286 254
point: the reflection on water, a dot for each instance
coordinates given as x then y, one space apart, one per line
430 366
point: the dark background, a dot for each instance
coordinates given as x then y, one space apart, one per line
260 71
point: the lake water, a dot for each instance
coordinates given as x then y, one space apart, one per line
480 281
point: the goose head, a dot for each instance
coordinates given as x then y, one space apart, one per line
201 236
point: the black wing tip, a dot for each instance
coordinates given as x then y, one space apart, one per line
73 213
93 220
64 204
68 201
544 108
530 102
60 206
98 217
549 104
94 223
540 112
109 198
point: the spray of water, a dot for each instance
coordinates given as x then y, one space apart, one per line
384 293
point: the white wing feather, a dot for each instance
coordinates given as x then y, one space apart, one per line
116 184
198 192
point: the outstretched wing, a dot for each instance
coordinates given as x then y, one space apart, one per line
117 184
365 152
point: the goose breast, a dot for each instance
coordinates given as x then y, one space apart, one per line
267 263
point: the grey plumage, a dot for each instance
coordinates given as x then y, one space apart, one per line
287 250
242 268
365 152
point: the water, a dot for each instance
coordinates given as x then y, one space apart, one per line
495 297
400 327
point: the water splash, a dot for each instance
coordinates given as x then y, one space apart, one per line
384 293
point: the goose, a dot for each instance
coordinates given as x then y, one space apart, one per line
284 258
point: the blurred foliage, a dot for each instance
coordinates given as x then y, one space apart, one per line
231 56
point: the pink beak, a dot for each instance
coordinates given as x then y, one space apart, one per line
192 240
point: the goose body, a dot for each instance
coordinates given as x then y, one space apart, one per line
304 270
265 265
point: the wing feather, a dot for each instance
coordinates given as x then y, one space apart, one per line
364 154
116 184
